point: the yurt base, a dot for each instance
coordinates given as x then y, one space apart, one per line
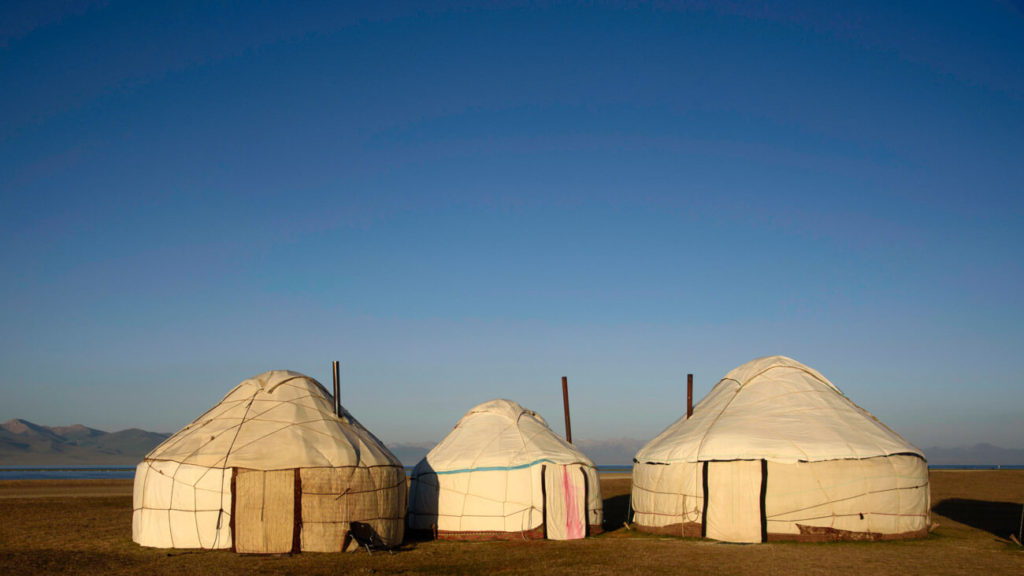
537 533
687 530
807 533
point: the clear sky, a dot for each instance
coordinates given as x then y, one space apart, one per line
464 202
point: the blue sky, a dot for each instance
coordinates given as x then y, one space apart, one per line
463 202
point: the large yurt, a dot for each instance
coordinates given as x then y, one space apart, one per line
502 473
272 468
776 452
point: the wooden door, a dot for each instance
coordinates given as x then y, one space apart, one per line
264 511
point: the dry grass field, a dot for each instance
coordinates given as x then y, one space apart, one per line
84 527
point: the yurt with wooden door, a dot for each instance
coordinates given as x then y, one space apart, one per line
502 473
272 468
776 451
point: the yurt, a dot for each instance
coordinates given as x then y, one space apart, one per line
777 452
270 469
502 473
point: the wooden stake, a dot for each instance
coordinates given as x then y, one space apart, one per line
565 401
336 368
689 396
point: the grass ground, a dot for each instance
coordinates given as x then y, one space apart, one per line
84 527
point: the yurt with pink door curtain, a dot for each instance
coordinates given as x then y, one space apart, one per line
502 473
776 451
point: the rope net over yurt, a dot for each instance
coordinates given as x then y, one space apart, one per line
776 451
270 468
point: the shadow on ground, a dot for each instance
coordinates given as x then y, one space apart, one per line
999 518
616 509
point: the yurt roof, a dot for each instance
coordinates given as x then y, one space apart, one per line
777 409
499 435
277 420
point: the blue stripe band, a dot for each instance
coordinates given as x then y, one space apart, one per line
500 468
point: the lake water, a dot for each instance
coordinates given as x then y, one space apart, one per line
66 472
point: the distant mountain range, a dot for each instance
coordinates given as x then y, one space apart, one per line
412 452
23 443
977 455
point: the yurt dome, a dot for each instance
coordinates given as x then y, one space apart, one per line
776 451
270 469
503 473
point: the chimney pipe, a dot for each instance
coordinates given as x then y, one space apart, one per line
565 401
336 368
689 396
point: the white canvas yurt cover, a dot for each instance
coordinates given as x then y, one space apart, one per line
776 451
503 473
269 469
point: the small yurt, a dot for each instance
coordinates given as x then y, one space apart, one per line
502 473
270 469
776 451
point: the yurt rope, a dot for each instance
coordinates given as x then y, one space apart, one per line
197 489
248 406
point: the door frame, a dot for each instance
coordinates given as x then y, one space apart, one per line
762 516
